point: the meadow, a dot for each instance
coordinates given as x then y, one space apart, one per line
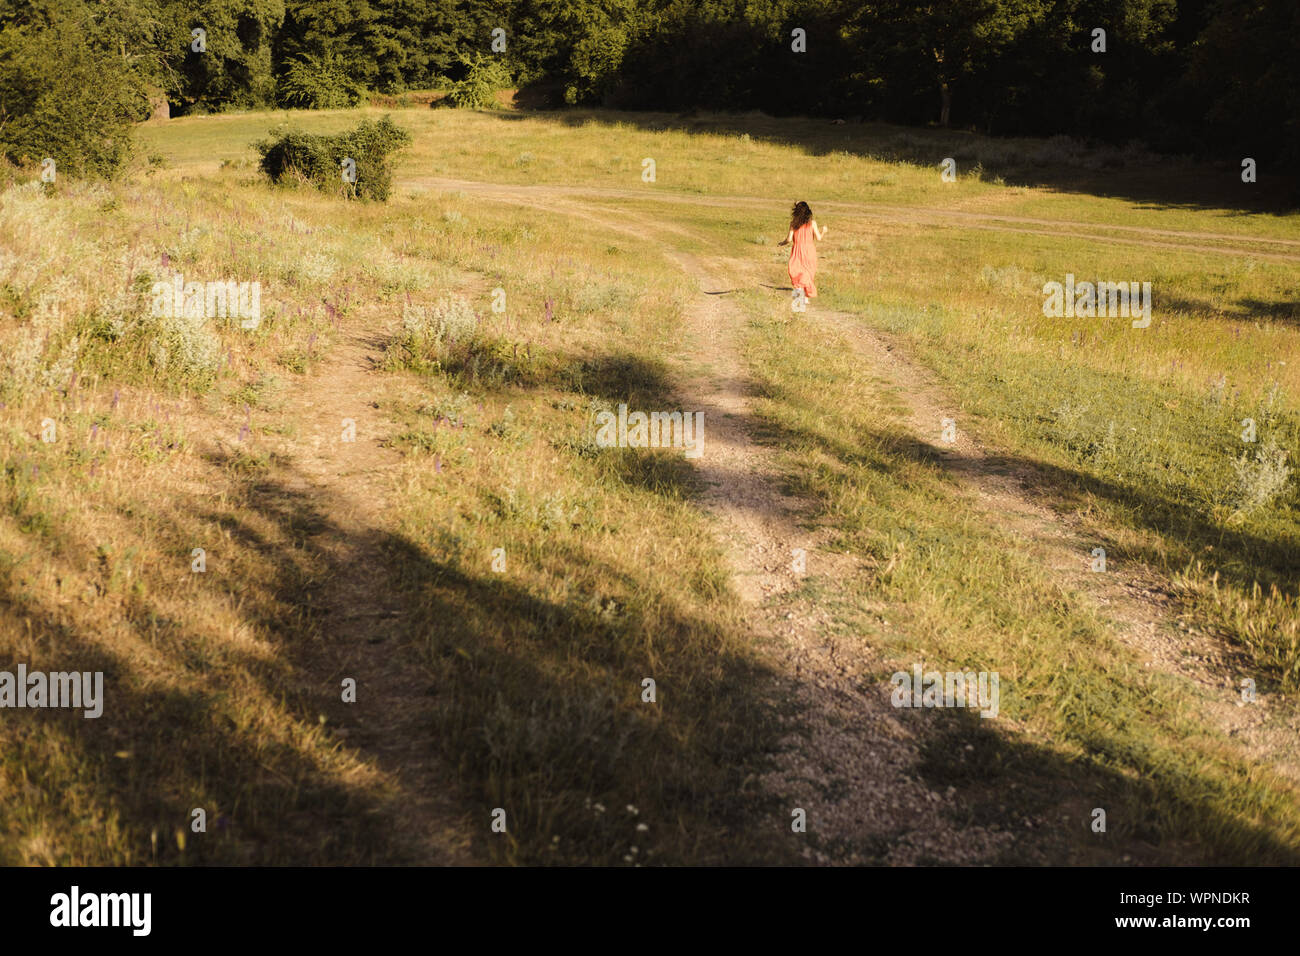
391 482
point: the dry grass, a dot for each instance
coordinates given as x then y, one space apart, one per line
222 686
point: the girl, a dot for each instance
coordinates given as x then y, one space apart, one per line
803 253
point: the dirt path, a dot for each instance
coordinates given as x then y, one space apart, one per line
1012 496
1256 247
1136 600
390 726
848 761
852 745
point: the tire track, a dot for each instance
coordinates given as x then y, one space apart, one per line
847 760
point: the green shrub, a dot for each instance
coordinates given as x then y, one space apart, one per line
66 99
484 76
319 83
318 159
594 64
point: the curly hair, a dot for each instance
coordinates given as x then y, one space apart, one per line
800 214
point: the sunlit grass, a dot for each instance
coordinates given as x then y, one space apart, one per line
611 575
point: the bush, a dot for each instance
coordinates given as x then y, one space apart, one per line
318 159
594 64
185 347
63 98
1260 481
484 76
319 83
429 332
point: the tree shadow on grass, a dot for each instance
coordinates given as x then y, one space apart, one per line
1245 309
1169 813
1004 781
1157 183
534 706
520 702
121 788
531 706
1240 556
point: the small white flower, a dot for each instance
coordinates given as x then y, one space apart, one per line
641 827
633 810
599 807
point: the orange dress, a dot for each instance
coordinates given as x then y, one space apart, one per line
803 260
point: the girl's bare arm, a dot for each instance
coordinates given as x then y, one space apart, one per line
819 233
789 238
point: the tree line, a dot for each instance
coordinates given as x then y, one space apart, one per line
1209 77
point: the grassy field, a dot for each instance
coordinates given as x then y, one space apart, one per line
500 586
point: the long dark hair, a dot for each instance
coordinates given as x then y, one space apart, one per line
800 214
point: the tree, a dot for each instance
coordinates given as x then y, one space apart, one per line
944 42
69 87
234 67
1244 71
